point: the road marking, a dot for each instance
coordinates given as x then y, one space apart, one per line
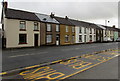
84 69
27 54
3 73
60 60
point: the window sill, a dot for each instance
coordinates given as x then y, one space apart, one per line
35 30
22 43
22 29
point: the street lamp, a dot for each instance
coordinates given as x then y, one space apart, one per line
106 21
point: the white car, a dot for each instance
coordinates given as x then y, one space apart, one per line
107 39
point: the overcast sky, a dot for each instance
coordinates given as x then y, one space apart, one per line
87 10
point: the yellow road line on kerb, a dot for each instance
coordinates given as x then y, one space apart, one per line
85 69
3 73
56 61
31 67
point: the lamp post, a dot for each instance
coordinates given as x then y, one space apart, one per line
106 21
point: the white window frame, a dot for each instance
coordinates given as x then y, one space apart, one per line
49 27
67 37
73 29
57 28
36 26
47 38
66 29
22 25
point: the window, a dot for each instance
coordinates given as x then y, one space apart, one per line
94 31
57 28
73 29
22 25
35 26
90 37
67 29
80 38
49 28
85 38
22 38
66 38
94 38
90 30
73 39
80 30
85 29
49 38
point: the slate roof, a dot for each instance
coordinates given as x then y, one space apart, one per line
84 24
102 27
19 14
63 21
111 28
46 18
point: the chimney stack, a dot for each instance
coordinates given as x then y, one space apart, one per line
66 17
52 15
113 26
5 5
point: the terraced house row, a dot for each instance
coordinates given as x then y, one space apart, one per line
29 29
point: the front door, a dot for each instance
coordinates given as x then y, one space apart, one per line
35 39
57 39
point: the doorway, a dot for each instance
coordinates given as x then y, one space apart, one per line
57 39
35 39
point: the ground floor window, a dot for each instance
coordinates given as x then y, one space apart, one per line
85 38
90 37
49 38
22 38
73 39
66 38
94 37
80 38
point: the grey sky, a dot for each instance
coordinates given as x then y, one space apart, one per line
96 12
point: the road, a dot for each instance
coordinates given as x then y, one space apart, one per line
18 58
97 66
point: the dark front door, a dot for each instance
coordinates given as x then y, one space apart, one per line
36 39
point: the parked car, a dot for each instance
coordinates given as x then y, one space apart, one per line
118 39
107 39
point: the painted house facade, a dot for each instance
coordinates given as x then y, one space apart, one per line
67 31
50 30
83 32
21 29
28 29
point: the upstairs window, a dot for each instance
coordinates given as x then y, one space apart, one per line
85 29
80 30
57 28
94 31
49 28
67 29
36 26
90 30
73 29
22 25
